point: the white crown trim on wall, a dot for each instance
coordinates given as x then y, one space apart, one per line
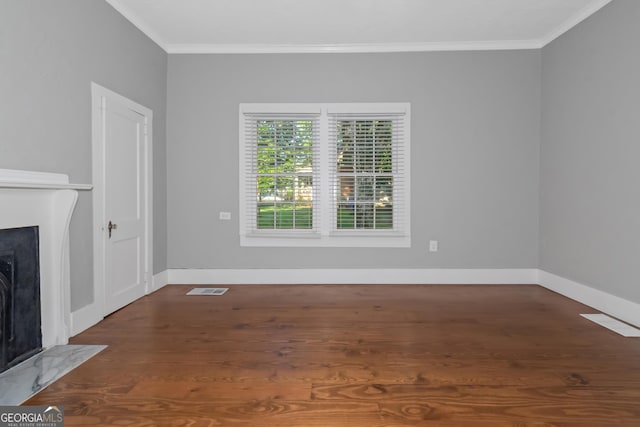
241 48
122 8
574 20
351 47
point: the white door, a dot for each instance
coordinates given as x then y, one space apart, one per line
124 148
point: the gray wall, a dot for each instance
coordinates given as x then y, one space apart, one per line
475 153
50 51
590 192
485 160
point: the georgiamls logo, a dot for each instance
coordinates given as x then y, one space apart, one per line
31 415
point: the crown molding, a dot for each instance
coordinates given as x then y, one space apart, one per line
256 48
574 20
351 47
121 7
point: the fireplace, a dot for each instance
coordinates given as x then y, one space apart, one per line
20 316
42 202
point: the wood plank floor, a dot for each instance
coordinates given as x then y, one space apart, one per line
353 355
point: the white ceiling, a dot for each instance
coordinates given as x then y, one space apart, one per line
255 26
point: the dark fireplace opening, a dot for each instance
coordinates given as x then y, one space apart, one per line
20 322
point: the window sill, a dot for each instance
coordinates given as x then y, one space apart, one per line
339 240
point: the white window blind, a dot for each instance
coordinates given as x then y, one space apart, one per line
281 172
367 174
325 175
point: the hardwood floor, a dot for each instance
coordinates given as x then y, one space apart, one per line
353 355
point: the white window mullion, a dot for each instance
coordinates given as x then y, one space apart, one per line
326 188
332 175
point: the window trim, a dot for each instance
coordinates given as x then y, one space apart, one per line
323 233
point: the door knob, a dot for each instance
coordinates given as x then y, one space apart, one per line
111 227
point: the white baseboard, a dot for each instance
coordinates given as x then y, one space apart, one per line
620 308
612 305
159 280
352 276
84 318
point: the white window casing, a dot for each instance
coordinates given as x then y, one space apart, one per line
339 176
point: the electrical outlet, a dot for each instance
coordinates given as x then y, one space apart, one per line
225 216
433 246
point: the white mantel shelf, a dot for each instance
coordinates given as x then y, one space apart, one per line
32 180
44 186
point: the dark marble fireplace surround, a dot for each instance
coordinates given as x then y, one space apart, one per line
20 319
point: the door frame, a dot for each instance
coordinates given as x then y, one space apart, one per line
99 96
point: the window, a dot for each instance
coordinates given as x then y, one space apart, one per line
324 175
284 174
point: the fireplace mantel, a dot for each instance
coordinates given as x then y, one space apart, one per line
46 200
10 178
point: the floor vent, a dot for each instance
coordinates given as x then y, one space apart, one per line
207 291
613 324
